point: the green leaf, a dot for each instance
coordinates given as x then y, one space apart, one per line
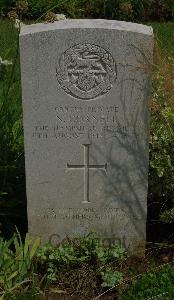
35 247
12 276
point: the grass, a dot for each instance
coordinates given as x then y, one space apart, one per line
12 191
8 36
157 284
8 46
165 36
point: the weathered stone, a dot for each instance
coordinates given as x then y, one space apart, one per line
86 90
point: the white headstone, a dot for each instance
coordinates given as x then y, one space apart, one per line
86 90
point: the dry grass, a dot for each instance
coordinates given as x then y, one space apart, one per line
163 79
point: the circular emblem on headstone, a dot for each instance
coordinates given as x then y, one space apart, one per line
86 71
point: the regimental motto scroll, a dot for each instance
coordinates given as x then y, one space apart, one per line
86 71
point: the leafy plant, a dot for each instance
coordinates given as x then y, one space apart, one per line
161 179
111 278
5 6
16 265
76 253
139 8
132 10
157 284
167 216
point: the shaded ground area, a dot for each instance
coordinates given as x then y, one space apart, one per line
133 267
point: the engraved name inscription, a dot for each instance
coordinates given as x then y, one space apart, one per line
86 71
92 121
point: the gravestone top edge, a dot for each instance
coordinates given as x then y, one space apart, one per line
88 24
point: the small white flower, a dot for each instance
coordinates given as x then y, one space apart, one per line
18 24
60 17
5 62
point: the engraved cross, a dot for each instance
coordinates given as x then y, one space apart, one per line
86 167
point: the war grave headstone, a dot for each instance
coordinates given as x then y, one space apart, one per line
86 90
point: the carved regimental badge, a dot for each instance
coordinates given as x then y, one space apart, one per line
86 71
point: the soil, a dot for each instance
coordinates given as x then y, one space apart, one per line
138 265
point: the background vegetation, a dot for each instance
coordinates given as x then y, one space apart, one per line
12 190
18 267
137 10
81 267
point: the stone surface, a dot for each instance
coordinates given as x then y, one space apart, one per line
86 90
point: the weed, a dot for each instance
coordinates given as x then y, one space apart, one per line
82 255
16 266
157 284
